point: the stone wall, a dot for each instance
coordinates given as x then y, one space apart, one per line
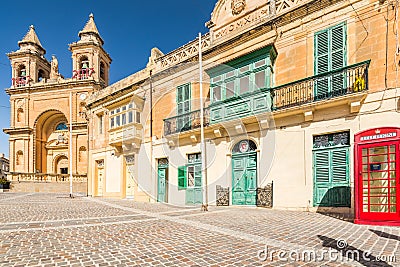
43 187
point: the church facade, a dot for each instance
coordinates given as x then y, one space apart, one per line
45 107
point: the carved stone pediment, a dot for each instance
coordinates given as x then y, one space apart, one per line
60 142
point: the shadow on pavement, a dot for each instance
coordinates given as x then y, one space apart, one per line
385 235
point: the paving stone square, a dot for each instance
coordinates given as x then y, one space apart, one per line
55 230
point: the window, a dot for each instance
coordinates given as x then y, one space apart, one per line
331 170
41 75
22 71
62 127
102 71
330 55
100 123
183 101
130 116
84 63
194 158
124 115
244 75
137 117
190 174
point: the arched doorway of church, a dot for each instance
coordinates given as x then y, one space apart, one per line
61 165
51 140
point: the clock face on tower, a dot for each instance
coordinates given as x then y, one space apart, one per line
82 96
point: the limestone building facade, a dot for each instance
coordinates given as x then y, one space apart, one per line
4 166
48 109
298 94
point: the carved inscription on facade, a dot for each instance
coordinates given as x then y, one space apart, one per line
242 22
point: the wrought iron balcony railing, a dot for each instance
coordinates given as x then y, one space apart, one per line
185 122
347 80
341 82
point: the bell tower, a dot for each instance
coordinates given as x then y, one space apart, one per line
28 63
90 60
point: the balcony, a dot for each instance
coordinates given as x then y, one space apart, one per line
125 135
341 82
349 80
185 122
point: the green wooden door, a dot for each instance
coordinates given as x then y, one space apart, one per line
162 184
244 179
194 190
331 177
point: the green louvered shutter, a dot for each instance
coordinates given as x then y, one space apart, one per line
331 178
322 63
183 101
340 189
182 177
338 52
330 55
321 177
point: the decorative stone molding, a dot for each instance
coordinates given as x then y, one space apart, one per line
308 116
355 107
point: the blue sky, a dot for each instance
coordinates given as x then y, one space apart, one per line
129 28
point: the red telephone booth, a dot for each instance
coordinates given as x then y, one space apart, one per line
377 176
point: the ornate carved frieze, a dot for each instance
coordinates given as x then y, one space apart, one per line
183 53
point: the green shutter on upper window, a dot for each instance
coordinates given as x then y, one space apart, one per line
330 55
182 177
322 52
338 47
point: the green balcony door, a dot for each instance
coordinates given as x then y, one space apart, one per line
162 173
194 190
330 55
244 178
183 102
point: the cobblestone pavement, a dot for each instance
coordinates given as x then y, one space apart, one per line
54 230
